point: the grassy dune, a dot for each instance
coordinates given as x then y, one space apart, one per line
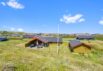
13 53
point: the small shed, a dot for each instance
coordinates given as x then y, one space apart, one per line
83 37
3 39
79 47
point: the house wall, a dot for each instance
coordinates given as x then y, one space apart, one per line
54 43
81 49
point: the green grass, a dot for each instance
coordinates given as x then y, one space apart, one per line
47 59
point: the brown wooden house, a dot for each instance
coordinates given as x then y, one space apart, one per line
39 41
79 47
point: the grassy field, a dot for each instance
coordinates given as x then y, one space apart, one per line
14 53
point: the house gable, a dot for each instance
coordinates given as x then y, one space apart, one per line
82 49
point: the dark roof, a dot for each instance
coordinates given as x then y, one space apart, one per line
53 39
40 38
49 39
85 36
76 43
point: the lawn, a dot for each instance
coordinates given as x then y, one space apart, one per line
14 53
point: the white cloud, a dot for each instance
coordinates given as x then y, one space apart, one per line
3 3
16 29
72 19
13 4
101 22
20 30
82 20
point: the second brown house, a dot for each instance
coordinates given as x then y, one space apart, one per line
79 47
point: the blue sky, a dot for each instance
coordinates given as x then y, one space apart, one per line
43 16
